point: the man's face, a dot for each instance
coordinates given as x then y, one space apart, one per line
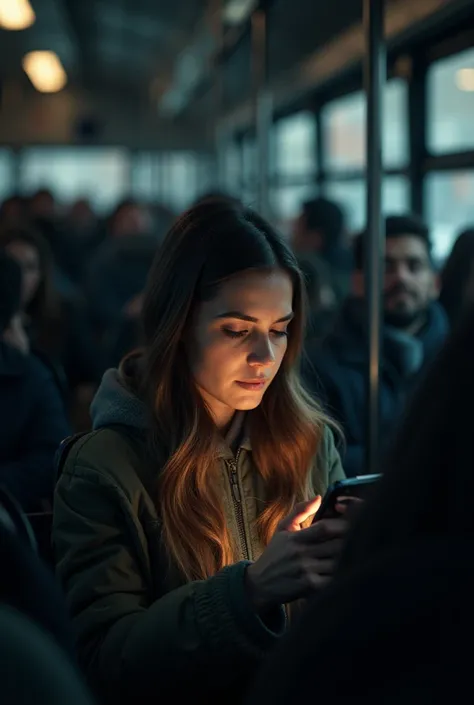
410 282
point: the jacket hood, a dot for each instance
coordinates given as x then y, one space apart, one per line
115 404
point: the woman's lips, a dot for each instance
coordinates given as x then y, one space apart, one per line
253 386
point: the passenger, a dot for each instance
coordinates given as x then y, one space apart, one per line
319 238
57 327
83 226
31 408
400 604
414 328
13 212
176 528
119 268
457 277
44 217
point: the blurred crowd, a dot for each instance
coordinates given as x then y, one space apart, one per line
71 295
74 309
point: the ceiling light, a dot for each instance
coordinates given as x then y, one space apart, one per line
16 14
465 79
45 71
237 11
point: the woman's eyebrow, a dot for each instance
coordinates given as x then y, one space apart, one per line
251 319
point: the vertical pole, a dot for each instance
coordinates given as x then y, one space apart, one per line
375 77
262 108
219 132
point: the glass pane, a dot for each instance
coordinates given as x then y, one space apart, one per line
101 175
6 174
343 123
451 104
295 144
449 207
352 197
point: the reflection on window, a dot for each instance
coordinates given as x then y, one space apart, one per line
344 129
451 104
351 195
294 145
101 175
6 174
449 207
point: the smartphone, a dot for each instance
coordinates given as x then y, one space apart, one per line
352 487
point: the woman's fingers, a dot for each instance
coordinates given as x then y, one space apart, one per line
301 513
324 530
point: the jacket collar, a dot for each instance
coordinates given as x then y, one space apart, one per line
115 404
237 437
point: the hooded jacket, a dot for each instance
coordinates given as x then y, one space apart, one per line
144 633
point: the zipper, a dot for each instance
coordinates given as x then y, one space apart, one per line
237 502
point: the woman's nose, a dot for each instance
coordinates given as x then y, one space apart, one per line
262 354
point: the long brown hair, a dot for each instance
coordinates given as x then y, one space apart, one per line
209 244
44 309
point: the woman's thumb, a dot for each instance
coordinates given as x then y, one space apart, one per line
300 514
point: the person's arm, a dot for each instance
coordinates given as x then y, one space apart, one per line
30 476
197 638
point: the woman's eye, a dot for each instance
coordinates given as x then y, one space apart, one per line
234 333
280 333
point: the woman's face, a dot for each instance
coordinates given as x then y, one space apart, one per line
27 257
238 340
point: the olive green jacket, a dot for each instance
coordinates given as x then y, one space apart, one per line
143 635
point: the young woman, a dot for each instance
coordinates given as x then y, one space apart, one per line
177 520
56 326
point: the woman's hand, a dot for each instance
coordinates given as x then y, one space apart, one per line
297 561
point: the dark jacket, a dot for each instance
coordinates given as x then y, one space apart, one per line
33 424
336 372
144 633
